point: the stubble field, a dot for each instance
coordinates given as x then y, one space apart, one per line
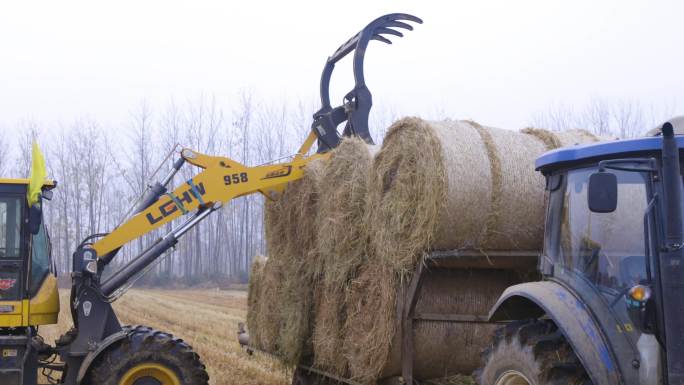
206 319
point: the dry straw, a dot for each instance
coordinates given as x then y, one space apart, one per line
341 243
370 326
292 270
344 240
455 185
300 263
264 332
440 185
254 286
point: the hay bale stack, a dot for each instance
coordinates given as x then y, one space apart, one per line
344 240
442 185
341 244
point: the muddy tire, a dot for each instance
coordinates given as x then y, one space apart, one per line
530 353
148 357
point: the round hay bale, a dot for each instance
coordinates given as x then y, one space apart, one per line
295 242
265 333
439 186
372 341
341 245
370 326
254 292
556 139
456 185
266 322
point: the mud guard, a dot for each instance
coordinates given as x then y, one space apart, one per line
101 347
536 299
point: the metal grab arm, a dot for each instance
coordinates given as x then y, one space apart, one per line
121 277
221 180
357 103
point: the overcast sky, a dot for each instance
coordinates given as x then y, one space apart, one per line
498 62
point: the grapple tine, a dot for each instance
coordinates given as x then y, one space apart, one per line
381 38
398 24
388 31
405 16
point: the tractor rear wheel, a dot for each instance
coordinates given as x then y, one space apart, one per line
531 353
148 357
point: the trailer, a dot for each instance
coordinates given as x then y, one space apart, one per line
450 294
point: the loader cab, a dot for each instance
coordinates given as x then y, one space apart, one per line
603 239
28 284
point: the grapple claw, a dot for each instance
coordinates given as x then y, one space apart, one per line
358 101
398 24
382 39
388 31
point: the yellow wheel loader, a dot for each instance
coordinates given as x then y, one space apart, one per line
98 350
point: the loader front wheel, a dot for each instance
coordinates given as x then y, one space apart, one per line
531 353
148 357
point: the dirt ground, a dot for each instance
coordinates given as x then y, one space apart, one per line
207 320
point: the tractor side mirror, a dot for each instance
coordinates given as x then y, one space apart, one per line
34 219
603 192
46 194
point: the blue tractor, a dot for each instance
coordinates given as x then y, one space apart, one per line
610 307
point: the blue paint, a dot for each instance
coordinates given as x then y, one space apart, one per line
589 327
601 150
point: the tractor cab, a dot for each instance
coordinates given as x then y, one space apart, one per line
28 284
610 213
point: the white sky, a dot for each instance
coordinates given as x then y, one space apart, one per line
498 62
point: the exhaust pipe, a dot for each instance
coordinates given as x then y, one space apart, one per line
671 262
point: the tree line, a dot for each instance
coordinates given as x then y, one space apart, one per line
101 170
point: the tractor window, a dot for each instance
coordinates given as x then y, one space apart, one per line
606 248
40 259
10 227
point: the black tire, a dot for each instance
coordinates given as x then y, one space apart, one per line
146 346
532 352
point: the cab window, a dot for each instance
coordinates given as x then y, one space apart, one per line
607 249
40 259
10 227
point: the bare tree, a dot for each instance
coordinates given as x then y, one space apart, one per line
28 132
4 155
629 119
557 118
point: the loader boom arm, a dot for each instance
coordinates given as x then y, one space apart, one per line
221 180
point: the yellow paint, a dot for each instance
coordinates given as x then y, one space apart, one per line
44 306
267 179
159 372
42 309
13 319
49 183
